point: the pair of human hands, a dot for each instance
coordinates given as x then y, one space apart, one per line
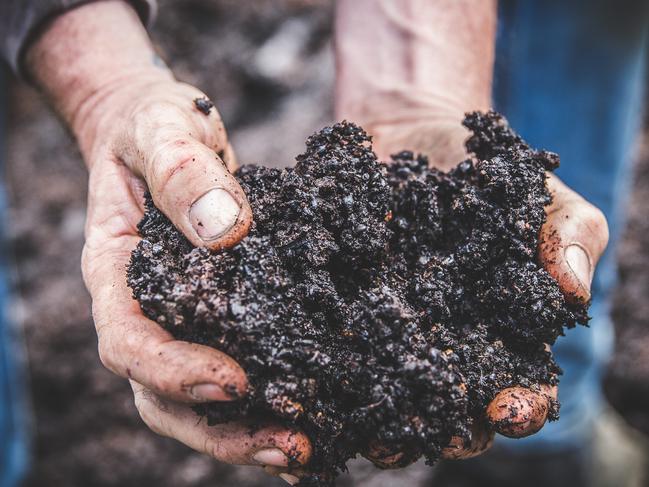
151 134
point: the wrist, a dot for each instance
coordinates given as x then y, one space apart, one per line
441 138
98 117
410 79
87 57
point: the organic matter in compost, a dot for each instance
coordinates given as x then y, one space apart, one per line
204 105
372 302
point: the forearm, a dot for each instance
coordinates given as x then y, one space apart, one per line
413 62
88 53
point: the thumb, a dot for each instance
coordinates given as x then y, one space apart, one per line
573 239
188 180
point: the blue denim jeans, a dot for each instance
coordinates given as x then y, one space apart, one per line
14 409
570 77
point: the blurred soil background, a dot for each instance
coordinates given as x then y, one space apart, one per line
268 66
627 381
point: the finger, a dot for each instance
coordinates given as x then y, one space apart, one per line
175 148
517 411
235 443
573 238
482 437
387 457
130 344
133 346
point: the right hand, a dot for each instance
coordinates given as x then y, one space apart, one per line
572 223
149 133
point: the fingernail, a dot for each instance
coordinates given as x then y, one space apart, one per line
214 213
290 479
271 456
578 260
208 392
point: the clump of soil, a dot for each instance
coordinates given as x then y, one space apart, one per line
372 302
204 105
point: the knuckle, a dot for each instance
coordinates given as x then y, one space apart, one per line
88 266
146 115
107 356
170 160
130 343
101 251
165 379
586 213
220 450
110 354
121 354
217 138
117 219
163 384
149 414
87 261
596 221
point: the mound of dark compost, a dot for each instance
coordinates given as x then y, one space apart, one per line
372 302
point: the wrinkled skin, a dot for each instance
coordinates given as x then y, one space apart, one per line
179 146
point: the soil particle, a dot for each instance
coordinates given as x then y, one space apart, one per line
372 303
204 105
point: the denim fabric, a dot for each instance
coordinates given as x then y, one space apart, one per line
570 78
14 411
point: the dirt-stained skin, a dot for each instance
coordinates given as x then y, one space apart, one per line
378 308
517 412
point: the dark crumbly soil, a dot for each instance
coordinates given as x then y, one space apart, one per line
626 383
372 302
204 105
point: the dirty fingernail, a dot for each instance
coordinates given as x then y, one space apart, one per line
214 213
290 479
578 260
271 456
208 392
